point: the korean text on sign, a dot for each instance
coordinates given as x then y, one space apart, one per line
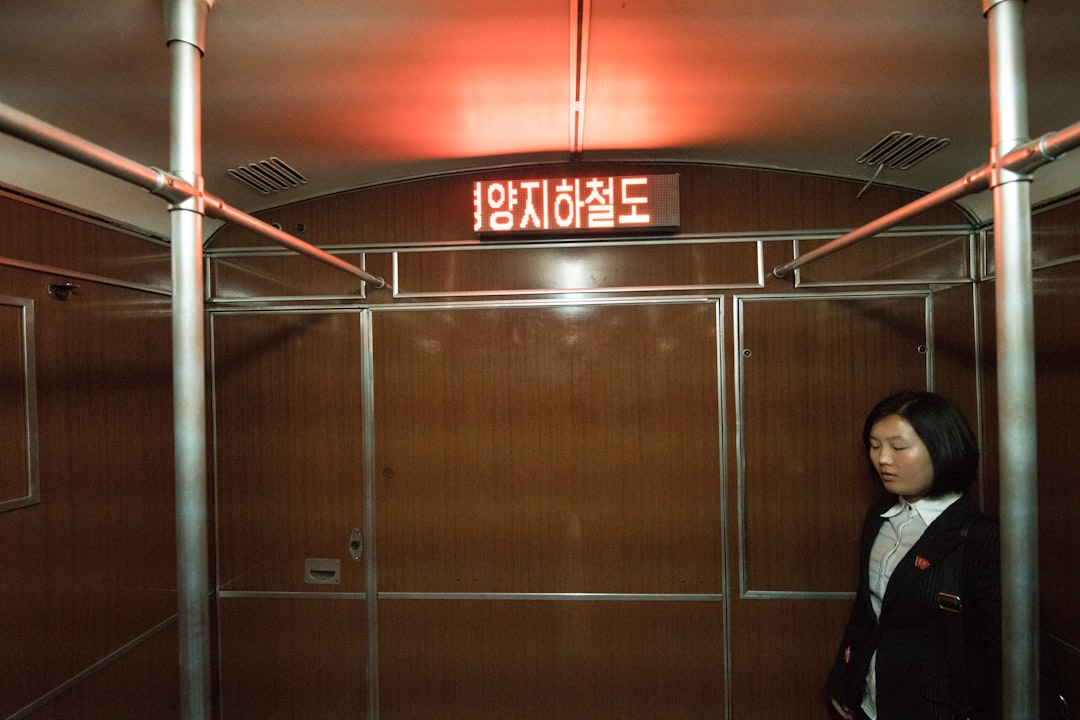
567 204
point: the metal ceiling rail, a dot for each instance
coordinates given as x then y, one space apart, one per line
1022 160
158 182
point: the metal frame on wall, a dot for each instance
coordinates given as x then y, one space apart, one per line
1007 174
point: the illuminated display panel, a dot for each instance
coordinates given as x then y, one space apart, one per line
591 204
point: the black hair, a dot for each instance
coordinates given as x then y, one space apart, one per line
942 428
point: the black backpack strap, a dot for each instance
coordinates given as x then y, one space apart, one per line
950 600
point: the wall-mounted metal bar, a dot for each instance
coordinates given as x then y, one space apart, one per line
1024 159
216 208
165 185
76 275
974 181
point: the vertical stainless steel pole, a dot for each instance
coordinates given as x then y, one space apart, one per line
185 25
1015 365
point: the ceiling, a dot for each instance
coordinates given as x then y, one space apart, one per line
356 92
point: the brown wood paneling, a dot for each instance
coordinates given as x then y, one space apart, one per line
288 447
549 449
1057 385
33 234
782 650
550 660
1055 236
673 266
714 199
956 353
811 368
92 566
283 276
884 260
143 682
293 659
14 419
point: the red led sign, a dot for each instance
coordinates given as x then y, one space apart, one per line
593 204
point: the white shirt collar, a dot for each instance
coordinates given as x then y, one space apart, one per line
929 508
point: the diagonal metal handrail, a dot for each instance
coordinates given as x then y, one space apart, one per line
1023 160
158 182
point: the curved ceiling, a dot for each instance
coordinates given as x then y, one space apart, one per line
357 92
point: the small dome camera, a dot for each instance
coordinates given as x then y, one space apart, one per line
61 291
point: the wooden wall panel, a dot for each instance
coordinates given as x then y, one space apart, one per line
549 449
605 267
92 566
551 660
781 652
15 421
956 353
881 261
288 447
811 368
293 659
142 683
1057 385
713 199
35 234
283 276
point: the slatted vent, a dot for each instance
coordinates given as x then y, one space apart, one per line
268 176
901 150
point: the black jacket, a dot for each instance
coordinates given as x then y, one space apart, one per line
917 677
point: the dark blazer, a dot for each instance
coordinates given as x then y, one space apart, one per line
914 670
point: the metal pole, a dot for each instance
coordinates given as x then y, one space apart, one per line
184 25
163 184
1015 365
1024 159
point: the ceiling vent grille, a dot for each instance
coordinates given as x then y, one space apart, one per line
268 176
901 150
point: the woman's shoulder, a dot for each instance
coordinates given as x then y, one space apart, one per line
973 517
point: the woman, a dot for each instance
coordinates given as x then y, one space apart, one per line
904 655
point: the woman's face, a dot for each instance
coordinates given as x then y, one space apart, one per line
901 459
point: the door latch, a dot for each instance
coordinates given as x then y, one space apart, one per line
356 544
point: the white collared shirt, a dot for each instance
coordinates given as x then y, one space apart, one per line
930 508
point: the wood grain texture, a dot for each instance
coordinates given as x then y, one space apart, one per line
490 660
566 449
811 368
92 566
293 658
288 448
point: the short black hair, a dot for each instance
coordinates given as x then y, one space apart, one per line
942 428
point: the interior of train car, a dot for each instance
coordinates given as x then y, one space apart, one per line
478 360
